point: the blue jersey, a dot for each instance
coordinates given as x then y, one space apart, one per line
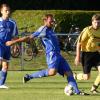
48 38
8 30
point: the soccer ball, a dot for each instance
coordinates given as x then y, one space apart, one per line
68 90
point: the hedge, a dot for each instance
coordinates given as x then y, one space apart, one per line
64 18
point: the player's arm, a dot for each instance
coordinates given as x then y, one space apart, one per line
39 33
81 39
77 58
78 49
23 39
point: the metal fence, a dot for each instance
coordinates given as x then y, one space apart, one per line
67 44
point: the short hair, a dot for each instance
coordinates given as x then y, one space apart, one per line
46 16
4 5
96 17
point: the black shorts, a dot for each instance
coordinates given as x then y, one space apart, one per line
89 60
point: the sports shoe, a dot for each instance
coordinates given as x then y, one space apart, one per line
25 78
94 91
3 87
82 93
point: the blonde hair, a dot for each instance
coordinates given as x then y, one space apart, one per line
96 17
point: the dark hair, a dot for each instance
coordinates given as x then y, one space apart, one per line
96 17
4 5
46 16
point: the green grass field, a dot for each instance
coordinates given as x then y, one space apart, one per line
50 88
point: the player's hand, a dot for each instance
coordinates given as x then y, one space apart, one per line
9 43
77 61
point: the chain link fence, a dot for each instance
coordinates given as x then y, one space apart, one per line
38 61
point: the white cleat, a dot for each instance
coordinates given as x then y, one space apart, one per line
3 87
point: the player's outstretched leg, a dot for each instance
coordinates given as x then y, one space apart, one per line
39 74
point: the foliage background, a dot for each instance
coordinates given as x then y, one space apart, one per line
64 18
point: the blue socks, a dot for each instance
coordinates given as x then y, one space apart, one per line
39 74
3 77
73 83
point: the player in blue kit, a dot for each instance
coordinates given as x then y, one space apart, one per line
56 63
8 31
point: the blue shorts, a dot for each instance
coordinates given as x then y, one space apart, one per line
56 61
4 52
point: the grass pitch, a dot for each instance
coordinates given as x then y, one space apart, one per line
48 88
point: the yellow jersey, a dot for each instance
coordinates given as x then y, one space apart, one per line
89 39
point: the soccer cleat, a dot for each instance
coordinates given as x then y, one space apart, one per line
82 93
25 78
3 87
94 91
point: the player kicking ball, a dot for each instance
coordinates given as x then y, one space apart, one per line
56 63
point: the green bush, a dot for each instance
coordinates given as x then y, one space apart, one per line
64 18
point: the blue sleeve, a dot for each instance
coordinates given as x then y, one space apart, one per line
41 32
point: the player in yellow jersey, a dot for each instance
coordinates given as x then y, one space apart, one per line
87 50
